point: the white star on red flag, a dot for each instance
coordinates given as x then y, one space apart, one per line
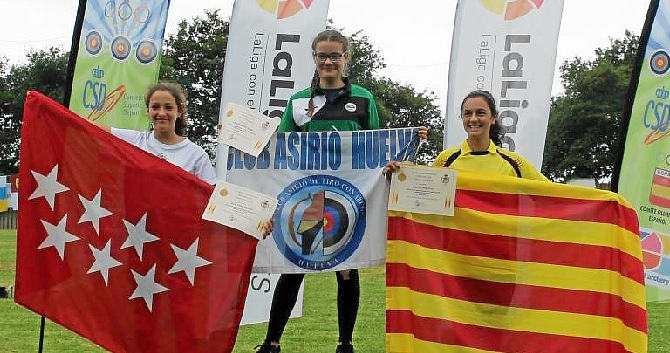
103 261
93 211
147 287
188 260
47 186
57 237
138 235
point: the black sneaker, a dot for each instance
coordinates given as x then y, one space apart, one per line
267 348
345 348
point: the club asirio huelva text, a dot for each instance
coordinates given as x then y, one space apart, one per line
323 150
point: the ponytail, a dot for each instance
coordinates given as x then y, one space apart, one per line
312 88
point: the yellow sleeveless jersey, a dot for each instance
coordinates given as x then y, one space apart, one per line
494 160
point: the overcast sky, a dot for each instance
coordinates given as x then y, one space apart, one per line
414 37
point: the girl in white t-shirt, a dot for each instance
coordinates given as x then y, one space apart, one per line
166 106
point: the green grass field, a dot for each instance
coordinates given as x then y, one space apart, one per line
315 332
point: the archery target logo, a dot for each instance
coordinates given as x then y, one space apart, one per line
121 28
146 52
659 63
120 48
93 42
284 8
320 221
512 9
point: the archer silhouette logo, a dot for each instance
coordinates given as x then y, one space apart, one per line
512 9
320 221
284 8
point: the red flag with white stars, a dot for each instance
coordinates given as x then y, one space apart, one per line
111 243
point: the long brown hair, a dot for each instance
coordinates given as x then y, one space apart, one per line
180 98
330 35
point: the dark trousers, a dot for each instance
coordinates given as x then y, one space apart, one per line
286 294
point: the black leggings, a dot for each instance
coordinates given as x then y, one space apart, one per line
286 294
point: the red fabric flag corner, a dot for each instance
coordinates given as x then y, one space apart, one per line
112 246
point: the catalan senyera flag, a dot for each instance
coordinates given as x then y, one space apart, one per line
522 266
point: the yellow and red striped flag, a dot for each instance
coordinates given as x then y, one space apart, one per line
660 188
522 266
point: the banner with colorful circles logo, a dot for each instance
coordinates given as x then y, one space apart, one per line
118 58
332 196
644 173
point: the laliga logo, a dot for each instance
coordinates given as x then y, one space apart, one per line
512 9
320 221
284 8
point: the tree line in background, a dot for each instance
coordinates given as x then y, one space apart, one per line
581 136
583 130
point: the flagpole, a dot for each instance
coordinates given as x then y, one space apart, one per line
74 50
41 344
630 96
76 34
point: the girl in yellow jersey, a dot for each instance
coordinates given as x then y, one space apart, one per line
481 151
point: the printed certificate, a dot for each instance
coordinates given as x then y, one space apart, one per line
240 208
246 129
422 189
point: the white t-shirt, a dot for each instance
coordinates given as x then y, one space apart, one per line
185 154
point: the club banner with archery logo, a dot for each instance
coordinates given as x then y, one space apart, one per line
118 58
509 49
332 196
269 55
643 176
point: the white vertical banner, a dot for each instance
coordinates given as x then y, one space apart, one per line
259 298
509 49
269 55
268 58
